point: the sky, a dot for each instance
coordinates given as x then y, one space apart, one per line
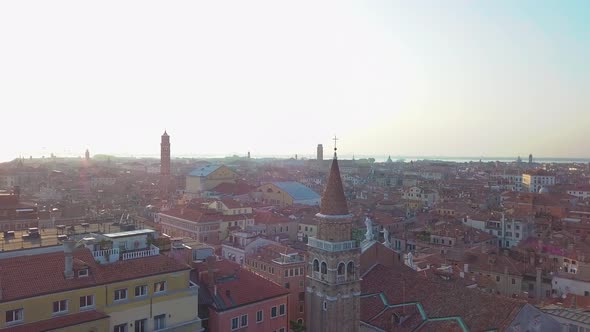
432 78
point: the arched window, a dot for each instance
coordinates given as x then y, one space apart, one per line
350 269
341 269
324 268
316 265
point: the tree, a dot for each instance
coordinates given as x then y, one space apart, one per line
296 327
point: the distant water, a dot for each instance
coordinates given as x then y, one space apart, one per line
378 158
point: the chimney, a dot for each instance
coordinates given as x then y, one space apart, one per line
69 258
210 271
538 283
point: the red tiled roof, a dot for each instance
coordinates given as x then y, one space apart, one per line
333 199
269 217
232 203
194 215
20 277
399 284
58 322
237 286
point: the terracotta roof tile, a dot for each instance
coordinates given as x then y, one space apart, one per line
236 286
20 277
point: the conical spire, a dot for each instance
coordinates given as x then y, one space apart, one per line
165 133
333 199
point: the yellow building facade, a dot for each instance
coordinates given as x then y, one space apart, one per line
143 294
208 177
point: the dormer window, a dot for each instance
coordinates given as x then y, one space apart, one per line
83 273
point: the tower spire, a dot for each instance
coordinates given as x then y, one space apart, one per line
335 148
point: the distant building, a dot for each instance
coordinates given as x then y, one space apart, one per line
287 193
320 152
530 159
15 215
87 155
165 163
208 177
533 181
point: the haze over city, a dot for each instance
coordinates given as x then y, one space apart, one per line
419 78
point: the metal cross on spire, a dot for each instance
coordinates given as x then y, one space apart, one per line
335 148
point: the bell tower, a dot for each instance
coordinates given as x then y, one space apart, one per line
332 301
165 163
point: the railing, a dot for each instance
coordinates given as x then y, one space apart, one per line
105 253
153 251
331 246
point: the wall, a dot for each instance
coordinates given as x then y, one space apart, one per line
221 321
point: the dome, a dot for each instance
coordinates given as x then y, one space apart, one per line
543 190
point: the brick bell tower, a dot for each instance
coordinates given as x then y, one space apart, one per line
165 163
332 301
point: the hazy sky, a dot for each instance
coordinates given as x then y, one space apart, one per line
454 78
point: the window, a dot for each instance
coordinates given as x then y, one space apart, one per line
159 286
301 271
83 273
513 281
86 301
273 312
259 316
296 272
159 322
234 323
316 265
282 309
120 328
586 293
141 325
497 278
15 315
141 290
282 329
291 273
244 320
286 273
301 308
324 269
300 283
120 294
60 306
301 296
287 285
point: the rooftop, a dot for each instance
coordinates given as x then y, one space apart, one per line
205 170
20 277
298 191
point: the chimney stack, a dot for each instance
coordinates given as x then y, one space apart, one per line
538 283
69 258
210 272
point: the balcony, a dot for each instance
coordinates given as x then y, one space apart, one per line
106 255
331 246
340 279
152 251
